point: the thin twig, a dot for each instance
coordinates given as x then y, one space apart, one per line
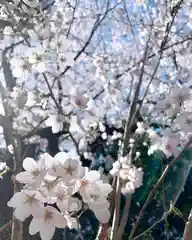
6 225
51 93
124 217
115 222
35 129
75 142
154 225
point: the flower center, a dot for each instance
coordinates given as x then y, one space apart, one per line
63 59
36 172
84 183
30 199
189 121
25 66
69 170
49 184
48 215
38 58
78 102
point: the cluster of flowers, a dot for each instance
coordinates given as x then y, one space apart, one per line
100 91
48 193
131 176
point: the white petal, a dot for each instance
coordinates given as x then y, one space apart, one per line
29 192
48 160
75 205
24 177
93 176
41 67
104 204
72 223
61 157
73 154
81 172
65 45
70 59
17 72
38 211
106 189
49 122
102 216
59 220
16 200
74 163
36 194
53 172
49 178
47 231
34 226
70 204
29 164
57 127
22 212
63 205
85 195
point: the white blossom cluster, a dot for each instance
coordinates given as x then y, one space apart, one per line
99 84
48 193
131 176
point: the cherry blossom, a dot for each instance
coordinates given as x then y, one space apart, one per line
56 180
63 44
134 176
67 166
65 59
45 221
21 68
37 58
94 192
78 99
26 203
180 94
184 121
35 171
